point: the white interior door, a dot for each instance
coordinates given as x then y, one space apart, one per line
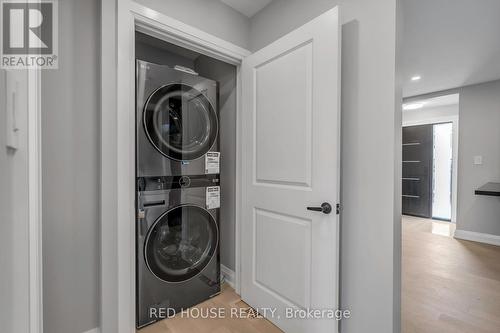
290 135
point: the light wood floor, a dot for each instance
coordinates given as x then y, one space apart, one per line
227 299
448 285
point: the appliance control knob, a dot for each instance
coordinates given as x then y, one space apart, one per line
184 181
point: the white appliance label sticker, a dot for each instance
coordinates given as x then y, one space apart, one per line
213 197
212 162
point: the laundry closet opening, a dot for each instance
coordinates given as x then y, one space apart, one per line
186 105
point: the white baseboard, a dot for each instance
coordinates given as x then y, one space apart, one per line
228 275
477 237
94 330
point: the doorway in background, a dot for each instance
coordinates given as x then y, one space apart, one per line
427 170
430 135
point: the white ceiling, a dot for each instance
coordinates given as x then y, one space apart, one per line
450 43
247 7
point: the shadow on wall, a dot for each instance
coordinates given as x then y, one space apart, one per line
349 99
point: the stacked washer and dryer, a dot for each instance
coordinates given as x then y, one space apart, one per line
178 193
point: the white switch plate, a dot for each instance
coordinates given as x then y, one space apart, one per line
478 160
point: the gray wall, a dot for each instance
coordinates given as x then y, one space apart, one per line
14 230
226 75
283 16
479 135
70 164
5 214
4 161
211 16
371 141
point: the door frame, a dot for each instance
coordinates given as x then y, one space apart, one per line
34 133
119 20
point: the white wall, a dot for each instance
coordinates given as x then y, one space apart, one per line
211 16
14 231
479 135
70 167
371 144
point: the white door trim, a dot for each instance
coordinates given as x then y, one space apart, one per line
35 202
120 19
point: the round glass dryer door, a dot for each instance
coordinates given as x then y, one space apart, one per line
181 243
180 122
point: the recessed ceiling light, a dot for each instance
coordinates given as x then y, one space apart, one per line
413 106
416 78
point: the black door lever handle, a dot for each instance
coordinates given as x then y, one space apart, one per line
325 208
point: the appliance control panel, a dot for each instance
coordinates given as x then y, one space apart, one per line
175 182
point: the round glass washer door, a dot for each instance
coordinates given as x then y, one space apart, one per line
180 122
181 243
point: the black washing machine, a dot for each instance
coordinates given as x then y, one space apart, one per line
177 122
177 238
